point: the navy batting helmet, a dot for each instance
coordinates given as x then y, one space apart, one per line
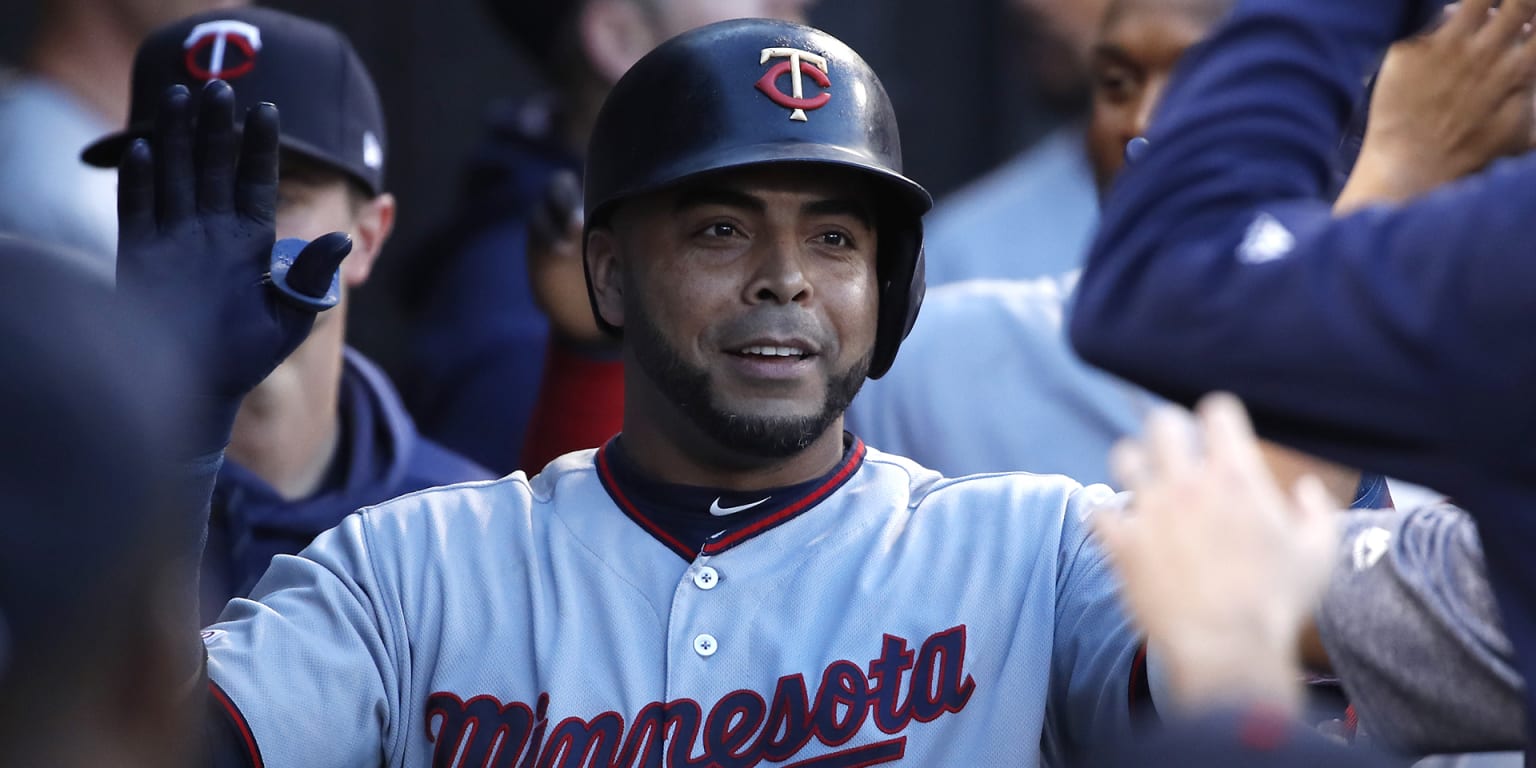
754 92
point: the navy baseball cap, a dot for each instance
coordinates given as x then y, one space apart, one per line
330 107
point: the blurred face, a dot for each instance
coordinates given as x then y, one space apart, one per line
678 16
749 301
1054 40
1141 42
1072 22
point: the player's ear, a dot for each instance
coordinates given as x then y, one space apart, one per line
372 225
605 273
614 35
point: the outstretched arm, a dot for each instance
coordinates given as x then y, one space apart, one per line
197 210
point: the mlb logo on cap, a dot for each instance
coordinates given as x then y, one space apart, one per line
330 108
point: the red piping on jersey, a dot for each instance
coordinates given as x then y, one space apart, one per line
855 460
239 722
605 474
1139 692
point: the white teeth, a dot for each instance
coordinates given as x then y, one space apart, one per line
773 351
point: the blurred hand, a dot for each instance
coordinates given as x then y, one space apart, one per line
1221 568
555 268
1447 103
197 222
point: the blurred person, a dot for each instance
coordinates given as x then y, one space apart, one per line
73 88
1064 415
92 668
325 433
1034 215
1391 338
478 342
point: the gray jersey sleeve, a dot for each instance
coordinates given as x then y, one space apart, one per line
1414 634
1096 648
310 664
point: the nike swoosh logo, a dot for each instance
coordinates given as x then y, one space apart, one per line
719 511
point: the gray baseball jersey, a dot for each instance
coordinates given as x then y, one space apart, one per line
890 616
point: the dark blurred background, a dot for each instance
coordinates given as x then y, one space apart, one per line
959 71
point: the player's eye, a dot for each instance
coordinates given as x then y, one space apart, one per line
721 229
835 239
1114 84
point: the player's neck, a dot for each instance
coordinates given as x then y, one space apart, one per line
90 55
668 446
288 429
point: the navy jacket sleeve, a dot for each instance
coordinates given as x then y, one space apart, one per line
1220 266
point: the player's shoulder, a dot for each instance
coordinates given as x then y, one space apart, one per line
515 502
996 492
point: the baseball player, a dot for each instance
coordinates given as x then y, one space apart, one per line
733 580
326 433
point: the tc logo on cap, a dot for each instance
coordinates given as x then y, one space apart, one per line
798 63
215 37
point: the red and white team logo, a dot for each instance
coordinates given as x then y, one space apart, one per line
224 49
796 63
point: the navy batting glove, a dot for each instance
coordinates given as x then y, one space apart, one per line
196 228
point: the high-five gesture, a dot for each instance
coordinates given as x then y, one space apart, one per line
1222 567
197 210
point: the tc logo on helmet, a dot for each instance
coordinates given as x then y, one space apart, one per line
797 63
216 37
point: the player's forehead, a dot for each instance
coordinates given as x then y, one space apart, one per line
1157 29
814 187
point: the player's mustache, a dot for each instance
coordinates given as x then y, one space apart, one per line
787 323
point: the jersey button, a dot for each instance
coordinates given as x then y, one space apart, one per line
706 578
705 645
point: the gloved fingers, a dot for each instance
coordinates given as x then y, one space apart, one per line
256 175
175 186
216 144
136 194
314 269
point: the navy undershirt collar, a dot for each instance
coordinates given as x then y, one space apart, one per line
680 517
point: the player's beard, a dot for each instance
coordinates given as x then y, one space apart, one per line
768 437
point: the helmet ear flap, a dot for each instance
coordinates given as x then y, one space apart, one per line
902 287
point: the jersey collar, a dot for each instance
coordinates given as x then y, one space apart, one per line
686 519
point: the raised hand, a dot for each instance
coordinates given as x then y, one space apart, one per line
197 219
1221 567
1447 103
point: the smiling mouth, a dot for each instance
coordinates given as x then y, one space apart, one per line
770 352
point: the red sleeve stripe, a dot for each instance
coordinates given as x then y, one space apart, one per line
238 720
1139 691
